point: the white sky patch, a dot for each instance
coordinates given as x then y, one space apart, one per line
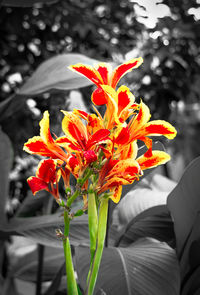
195 12
154 10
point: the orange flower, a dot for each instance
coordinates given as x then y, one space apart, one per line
102 74
44 144
120 106
46 178
116 173
139 128
77 138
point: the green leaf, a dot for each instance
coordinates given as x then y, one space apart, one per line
25 3
155 222
54 74
146 267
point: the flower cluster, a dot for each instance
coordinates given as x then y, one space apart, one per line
101 148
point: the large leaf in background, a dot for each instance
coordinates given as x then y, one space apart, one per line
26 266
56 281
25 3
184 205
5 162
42 229
126 210
146 267
154 222
51 74
54 74
151 191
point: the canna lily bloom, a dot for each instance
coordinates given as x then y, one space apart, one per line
116 173
47 177
77 138
103 74
139 128
45 145
120 106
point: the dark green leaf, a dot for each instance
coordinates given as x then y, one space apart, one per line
146 267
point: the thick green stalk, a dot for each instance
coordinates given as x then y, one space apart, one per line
93 224
71 281
103 213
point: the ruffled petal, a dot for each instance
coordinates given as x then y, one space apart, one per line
89 72
47 171
160 127
36 145
129 151
126 67
127 169
139 121
104 70
111 116
117 192
44 129
125 98
94 123
74 129
67 144
123 136
98 136
157 158
36 184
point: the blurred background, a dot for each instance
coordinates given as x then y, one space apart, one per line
165 33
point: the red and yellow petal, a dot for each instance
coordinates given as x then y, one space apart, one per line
104 70
123 136
74 129
160 127
97 137
139 121
47 171
157 158
129 151
44 129
127 169
99 97
36 184
89 72
70 146
126 67
117 192
36 145
125 98
94 123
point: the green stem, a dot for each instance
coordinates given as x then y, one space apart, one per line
72 198
93 225
71 281
103 212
